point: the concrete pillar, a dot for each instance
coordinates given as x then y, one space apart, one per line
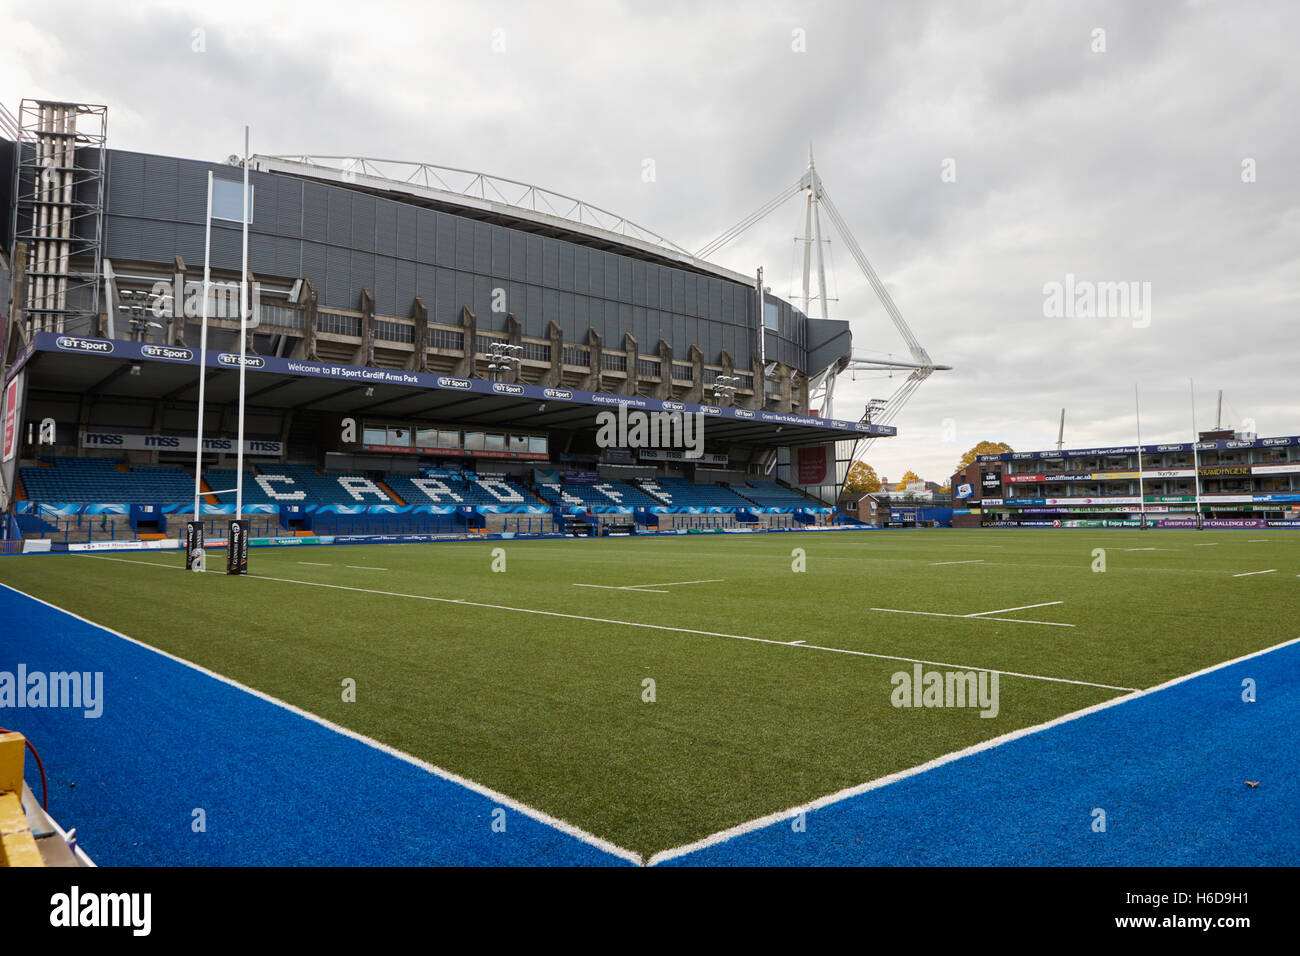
420 357
555 374
365 354
631 384
665 387
307 297
465 367
591 382
697 393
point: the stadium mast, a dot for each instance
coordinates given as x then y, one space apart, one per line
822 385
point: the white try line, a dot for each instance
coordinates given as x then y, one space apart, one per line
976 617
650 627
722 836
1246 574
935 564
539 815
648 588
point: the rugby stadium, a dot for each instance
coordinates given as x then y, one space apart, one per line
462 522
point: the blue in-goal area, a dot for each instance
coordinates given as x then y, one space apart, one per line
183 769
1162 779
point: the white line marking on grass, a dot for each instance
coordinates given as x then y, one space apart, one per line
969 617
611 587
722 836
794 642
648 588
935 564
539 815
1212 544
362 567
1255 540
1003 610
650 627
1246 574
317 564
1141 549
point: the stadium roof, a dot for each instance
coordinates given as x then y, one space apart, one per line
100 368
495 199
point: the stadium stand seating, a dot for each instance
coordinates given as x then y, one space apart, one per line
302 484
78 480
219 478
456 490
606 494
678 492
769 494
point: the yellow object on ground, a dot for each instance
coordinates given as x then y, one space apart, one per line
17 845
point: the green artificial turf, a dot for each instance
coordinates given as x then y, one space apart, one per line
549 709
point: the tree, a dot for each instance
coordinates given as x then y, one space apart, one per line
983 448
861 479
908 478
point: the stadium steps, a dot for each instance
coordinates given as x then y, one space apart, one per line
383 485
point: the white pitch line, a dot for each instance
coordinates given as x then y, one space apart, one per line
1212 544
1141 549
362 567
935 564
317 564
611 587
539 815
1255 540
970 617
1246 574
653 627
647 588
722 836
1023 607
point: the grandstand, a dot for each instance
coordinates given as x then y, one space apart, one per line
105 479
375 307
678 492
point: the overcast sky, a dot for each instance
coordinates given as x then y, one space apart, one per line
1114 142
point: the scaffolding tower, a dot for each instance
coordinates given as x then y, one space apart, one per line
59 213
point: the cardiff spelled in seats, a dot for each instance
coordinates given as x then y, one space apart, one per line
606 494
680 493
458 490
302 484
